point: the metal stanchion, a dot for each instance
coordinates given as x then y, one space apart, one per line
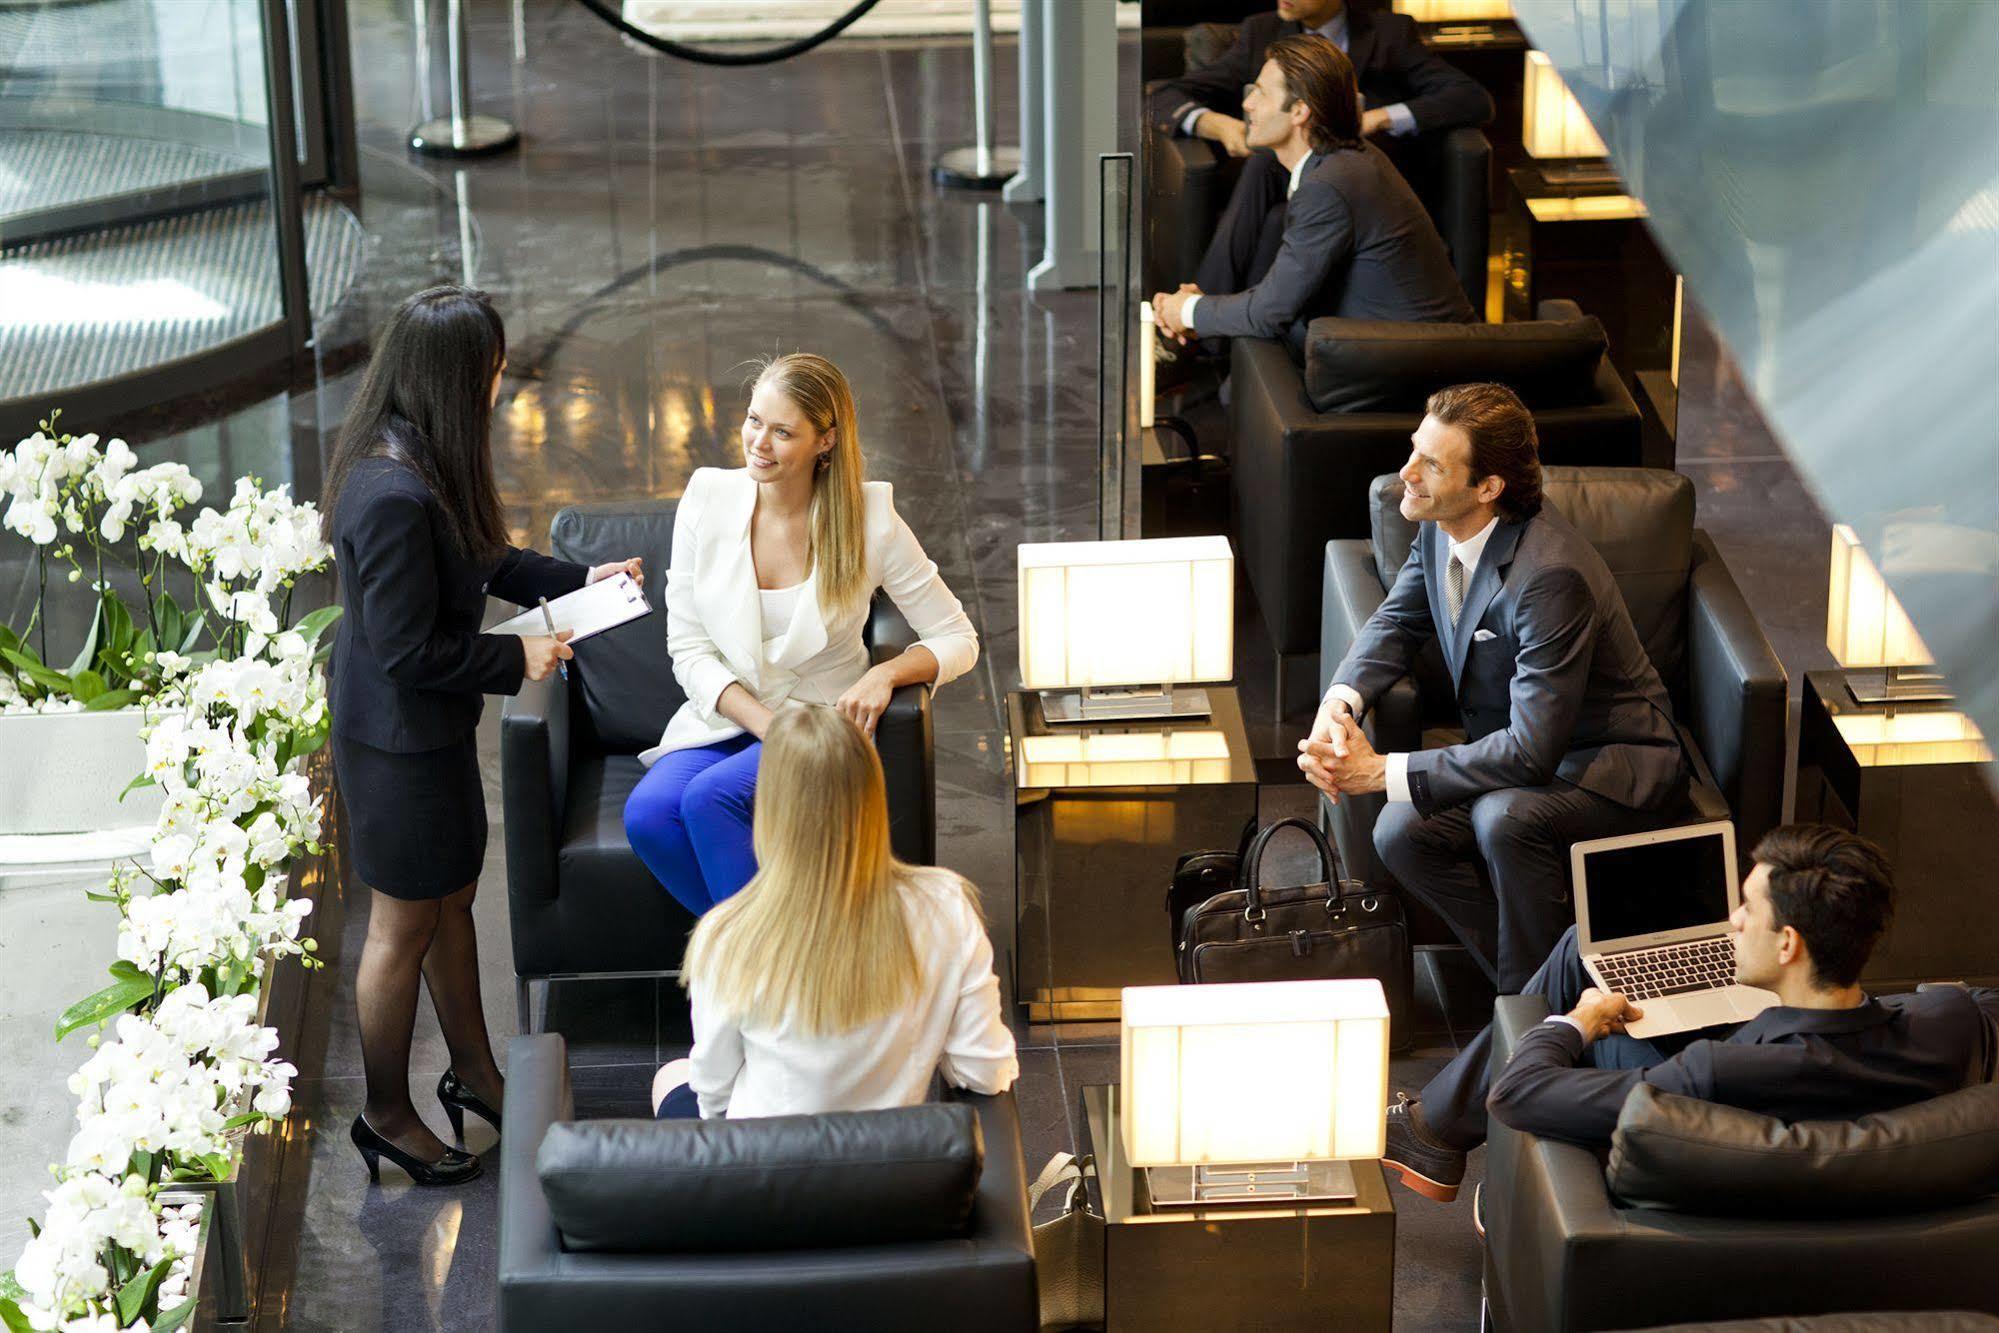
982 166
461 134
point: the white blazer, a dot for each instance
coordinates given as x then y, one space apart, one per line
714 622
952 1025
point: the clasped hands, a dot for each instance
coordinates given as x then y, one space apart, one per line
1337 758
1169 309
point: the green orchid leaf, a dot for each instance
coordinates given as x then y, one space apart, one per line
86 685
143 780
172 1320
135 1296
316 624
192 632
109 700
90 639
51 682
11 1317
113 1000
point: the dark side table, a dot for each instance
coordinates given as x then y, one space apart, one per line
1225 1268
1926 802
1101 813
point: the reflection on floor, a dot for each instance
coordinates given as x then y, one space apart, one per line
661 225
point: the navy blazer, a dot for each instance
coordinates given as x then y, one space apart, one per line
1794 1064
1358 244
1559 685
1388 55
410 669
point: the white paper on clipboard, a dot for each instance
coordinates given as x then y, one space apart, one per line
586 612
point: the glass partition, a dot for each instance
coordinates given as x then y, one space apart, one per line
1117 380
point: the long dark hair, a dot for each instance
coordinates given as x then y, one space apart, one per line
426 401
1319 74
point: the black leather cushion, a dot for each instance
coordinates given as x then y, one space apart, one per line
623 681
1640 520
783 1182
1697 1157
613 911
1878 1321
1354 365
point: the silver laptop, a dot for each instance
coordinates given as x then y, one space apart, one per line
1652 915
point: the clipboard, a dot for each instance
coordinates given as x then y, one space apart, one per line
586 613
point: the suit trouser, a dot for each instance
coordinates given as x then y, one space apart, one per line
1453 1101
1251 230
1497 870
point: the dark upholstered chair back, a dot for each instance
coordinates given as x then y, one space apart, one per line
1641 521
1357 365
622 690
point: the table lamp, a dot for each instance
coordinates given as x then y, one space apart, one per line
1454 11
1254 1093
1871 635
1110 631
1556 133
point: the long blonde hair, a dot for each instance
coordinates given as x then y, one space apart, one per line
839 517
819 936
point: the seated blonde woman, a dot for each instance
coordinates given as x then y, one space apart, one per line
839 979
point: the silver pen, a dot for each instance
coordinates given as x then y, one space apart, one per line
549 621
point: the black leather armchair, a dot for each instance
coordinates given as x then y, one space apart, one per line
581 903
1727 686
630 1224
1308 442
1564 1252
1188 182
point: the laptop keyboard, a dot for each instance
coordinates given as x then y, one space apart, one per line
1670 969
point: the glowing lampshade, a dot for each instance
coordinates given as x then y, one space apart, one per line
1864 625
1098 614
1260 1072
1552 124
1455 11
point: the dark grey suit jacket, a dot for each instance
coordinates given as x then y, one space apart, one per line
1388 56
1794 1064
1560 687
1357 244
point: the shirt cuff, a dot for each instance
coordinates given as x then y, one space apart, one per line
1355 704
1192 119
1401 120
1564 1018
1398 778
1187 313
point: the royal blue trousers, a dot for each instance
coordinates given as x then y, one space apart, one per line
689 820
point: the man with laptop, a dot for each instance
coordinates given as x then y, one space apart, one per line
1778 1025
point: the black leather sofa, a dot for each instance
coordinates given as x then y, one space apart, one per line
880 1220
1308 442
580 901
1188 182
1727 685
1712 1213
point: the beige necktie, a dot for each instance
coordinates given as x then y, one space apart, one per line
1454 587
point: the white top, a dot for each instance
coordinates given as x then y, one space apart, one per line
1396 763
952 1024
777 605
715 627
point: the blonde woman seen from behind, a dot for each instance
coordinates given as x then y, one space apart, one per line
839 979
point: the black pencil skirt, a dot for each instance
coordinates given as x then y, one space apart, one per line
416 823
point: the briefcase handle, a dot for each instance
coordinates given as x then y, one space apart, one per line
1251 872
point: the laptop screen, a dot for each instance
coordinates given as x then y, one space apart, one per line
1658 886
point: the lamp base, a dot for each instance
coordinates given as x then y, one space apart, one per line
1900 685
1283 1183
1068 707
1579 172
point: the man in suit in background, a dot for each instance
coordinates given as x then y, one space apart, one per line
1569 732
1408 89
1344 235
1814 906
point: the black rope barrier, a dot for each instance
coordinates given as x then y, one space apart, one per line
767 56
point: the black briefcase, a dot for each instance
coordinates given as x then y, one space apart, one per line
1199 876
1335 928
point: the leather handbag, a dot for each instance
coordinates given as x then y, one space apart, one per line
1069 1250
1199 876
1333 928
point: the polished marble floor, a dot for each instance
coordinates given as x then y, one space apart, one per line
661 225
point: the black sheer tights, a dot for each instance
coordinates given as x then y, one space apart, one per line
434 940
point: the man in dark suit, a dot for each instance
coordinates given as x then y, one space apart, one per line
1352 240
1410 93
1813 908
1569 733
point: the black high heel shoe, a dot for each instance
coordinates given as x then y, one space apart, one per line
458 1099
454 1168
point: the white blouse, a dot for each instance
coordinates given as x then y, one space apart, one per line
716 625
952 1024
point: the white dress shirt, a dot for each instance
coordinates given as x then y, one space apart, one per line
1467 552
952 1024
715 618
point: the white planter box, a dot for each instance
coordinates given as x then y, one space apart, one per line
62 772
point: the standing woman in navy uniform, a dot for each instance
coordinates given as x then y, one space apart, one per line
418 540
